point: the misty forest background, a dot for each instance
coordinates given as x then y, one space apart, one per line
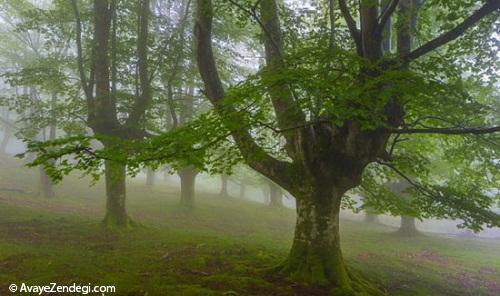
251 147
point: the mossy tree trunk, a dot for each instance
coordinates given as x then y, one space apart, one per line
115 178
188 180
316 256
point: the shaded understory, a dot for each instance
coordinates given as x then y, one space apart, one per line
222 247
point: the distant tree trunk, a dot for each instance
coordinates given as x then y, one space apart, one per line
150 177
188 179
408 227
223 189
115 177
5 141
46 184
47 187
370 217
243 189
166 173
275 194
266 194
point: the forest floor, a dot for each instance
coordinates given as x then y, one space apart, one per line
222 247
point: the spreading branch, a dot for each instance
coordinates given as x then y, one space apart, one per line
253 154
447 131
487 9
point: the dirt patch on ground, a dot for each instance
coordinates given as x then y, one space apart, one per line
51 205
37 231
428 256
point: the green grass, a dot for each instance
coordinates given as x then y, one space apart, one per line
222 247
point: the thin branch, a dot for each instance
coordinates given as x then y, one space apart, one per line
253 14
487 9
447 131
419 187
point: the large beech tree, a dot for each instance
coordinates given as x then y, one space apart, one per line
338 106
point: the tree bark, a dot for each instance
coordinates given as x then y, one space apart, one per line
223 189
115 177
316 255
408 227
188 179
275 195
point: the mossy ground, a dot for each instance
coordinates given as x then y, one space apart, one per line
222 247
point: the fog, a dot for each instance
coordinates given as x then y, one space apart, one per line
296 147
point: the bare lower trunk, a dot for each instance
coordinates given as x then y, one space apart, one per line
115 177
223 189
188 179
150 177
276 195
46 185
408 227
316 256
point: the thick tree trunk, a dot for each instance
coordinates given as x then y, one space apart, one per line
275 195
150 177
116 214
223 188
408 227
188 179
315 256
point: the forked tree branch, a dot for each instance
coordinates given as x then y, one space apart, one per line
253 154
